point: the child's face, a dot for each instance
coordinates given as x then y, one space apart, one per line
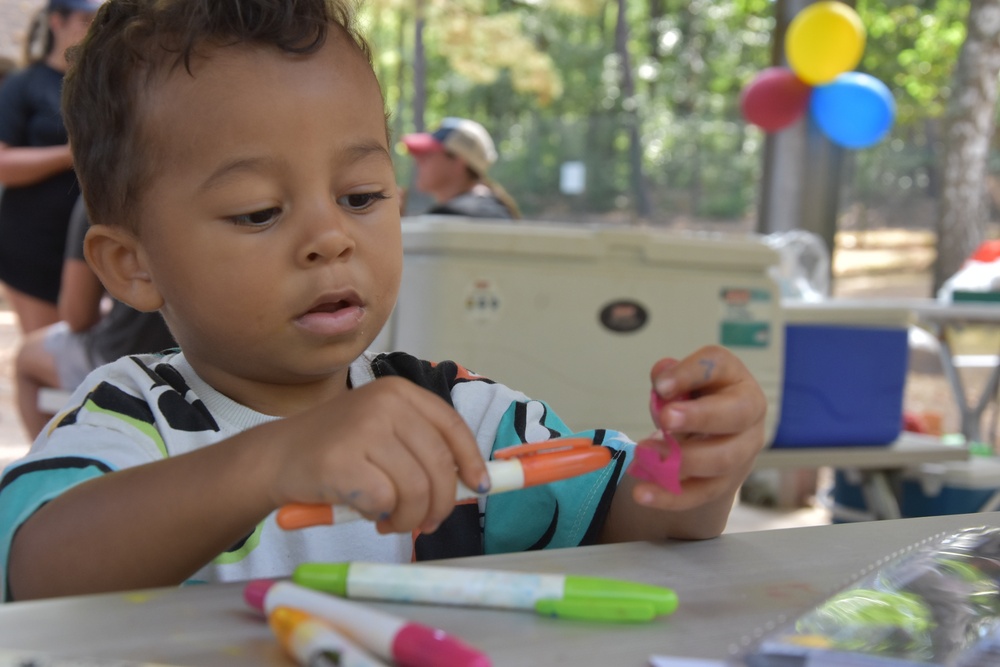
271 230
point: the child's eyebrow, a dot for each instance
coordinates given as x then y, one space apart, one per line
363 149
227 169
353 153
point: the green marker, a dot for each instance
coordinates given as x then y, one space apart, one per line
556 595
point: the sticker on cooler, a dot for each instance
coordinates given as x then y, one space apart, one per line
745 320
482 301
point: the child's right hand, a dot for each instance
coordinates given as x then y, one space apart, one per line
390 449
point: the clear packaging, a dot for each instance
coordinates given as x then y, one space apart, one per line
937 604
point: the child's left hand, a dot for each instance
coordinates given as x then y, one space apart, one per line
714 408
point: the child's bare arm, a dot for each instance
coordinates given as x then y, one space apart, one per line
720 429
389 448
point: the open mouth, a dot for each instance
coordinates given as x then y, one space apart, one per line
334 302
333 314
331 306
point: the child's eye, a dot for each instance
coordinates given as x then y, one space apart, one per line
257 218
362 200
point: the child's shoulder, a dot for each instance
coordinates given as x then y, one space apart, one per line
442 377
420 370
141 388
141 370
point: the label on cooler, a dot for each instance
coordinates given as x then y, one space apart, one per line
746 317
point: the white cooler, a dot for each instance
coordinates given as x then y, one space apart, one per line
576 315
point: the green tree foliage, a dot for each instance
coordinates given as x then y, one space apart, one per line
912 47
544 78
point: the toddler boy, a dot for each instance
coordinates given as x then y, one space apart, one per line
235 160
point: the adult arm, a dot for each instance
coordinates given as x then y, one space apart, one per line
27 165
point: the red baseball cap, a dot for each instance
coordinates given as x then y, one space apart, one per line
464 138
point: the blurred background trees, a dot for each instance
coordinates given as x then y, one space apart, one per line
645 94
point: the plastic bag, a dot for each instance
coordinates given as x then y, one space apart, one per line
804 270
938 605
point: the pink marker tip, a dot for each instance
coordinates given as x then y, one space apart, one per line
663 470
255 592
417 645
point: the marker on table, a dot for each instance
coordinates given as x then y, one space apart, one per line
557 595
389 637
512 468
314 643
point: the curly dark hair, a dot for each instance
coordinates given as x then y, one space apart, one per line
131 43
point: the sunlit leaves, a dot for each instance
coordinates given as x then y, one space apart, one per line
545 76
479 47
913 47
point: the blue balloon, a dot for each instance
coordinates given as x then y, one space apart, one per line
855 110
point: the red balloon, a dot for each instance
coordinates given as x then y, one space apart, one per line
775 99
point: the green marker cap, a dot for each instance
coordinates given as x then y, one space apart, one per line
663 600
326 577
597 609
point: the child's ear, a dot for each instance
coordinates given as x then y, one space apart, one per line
118 259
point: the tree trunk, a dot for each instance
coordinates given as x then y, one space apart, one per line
419 69
656 14
631 115
968 129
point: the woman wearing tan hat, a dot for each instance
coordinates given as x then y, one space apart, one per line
453 165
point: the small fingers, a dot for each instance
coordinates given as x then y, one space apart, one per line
395 458
710 456
697 467
710 391
709 367
697 492
658 460
439 448
462 451
371 492
731 410
413 491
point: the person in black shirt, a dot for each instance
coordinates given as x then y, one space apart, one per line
453 166
93 330
40 187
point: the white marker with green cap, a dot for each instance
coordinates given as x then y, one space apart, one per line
556 595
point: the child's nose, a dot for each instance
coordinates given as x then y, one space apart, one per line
329 237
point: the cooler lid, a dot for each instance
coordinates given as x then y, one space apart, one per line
847 312
446 234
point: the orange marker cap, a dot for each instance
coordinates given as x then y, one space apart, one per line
545 468
553 460
300 515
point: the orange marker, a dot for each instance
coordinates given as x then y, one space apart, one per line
511 468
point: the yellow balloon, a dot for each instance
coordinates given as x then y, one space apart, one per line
823 41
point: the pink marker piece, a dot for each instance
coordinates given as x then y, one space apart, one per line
656 405
651 466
